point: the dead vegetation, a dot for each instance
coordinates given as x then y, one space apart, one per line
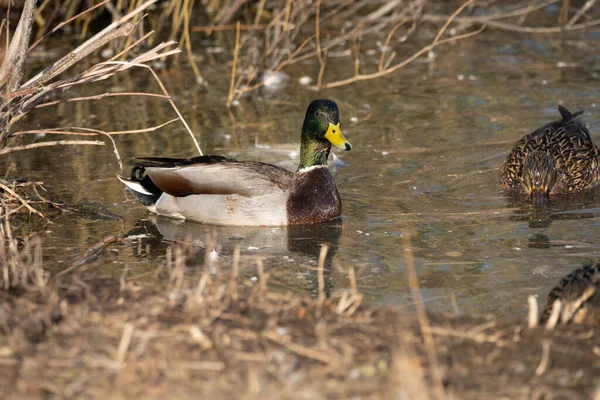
272 35
185 331
325 31
19 99
20 261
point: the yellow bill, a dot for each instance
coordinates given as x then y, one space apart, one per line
334 135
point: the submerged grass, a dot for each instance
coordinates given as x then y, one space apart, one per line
186 331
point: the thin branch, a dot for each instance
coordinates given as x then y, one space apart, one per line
13 66
259 12
413 283
138 63
57 27
319 51
236 50
374 75
383 10
387 41
533 317
131 46
588 4
355 51
91 132
514 28
320 277
188 6
144 130
227 28
99 132
532 6
449 21
22 201
228 12
101 96
50 144
78 54
44 76
539 371
91 253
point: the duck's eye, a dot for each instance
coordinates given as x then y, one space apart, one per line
333 131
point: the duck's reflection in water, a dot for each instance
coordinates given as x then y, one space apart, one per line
290 254
578 207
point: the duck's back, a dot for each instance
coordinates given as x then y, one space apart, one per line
568 144
213 189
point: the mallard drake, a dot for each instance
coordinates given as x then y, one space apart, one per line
579 293
223 191
558 158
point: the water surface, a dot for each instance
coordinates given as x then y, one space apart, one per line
428 141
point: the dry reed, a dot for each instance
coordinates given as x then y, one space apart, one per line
18 99
204 332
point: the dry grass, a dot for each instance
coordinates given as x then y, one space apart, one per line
20 260
325 31
273 35
188 332
185 331
21 98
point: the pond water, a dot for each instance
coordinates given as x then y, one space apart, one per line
428 142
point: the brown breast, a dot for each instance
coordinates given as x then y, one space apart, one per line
313 197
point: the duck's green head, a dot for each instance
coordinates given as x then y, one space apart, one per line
320 130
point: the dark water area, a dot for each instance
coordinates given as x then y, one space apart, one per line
427 141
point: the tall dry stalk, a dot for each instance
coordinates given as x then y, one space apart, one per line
18 99
21 98
296 29
20 259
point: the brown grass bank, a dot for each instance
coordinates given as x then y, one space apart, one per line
182 331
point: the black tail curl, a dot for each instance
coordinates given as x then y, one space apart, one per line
566 115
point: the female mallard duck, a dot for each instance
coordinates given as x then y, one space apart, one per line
224 191
579 293
558 158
